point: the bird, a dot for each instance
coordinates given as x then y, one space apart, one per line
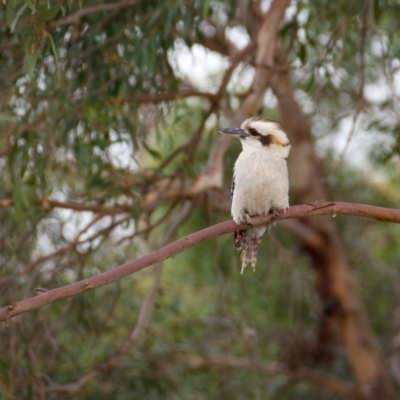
260 182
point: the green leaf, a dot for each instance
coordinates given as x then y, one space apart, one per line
47 13
302 53
169 21
6 118
19 202
14 9
188 25
53 47
152 152
205 9
155 17
310 83
377 10
31 59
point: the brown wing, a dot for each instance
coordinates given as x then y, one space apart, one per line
238 235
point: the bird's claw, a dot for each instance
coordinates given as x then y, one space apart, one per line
248 219
275 213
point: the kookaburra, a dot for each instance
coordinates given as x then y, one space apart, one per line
260 181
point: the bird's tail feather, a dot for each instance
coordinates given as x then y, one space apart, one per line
249 251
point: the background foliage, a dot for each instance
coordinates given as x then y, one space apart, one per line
106 107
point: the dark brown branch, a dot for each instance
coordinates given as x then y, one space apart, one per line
305 210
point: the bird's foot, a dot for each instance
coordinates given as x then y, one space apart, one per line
245 218
248 218
275 212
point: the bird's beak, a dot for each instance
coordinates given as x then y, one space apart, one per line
234 131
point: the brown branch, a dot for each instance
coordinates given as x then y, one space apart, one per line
219 43
266 48
207 181
142 320
6 150
73 205
216 100
65 249
305 210
75 17
338 386
146 231
188 147
213 176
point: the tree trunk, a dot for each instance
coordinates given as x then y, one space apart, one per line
336 284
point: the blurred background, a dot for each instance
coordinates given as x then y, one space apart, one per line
109 149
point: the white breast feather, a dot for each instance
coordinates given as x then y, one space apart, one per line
261 184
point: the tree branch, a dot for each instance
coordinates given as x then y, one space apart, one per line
305 210
77 15
266 46
142 320
74 205
65 249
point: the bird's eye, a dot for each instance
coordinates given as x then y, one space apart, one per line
253 132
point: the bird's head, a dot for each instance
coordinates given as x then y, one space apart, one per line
262 134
